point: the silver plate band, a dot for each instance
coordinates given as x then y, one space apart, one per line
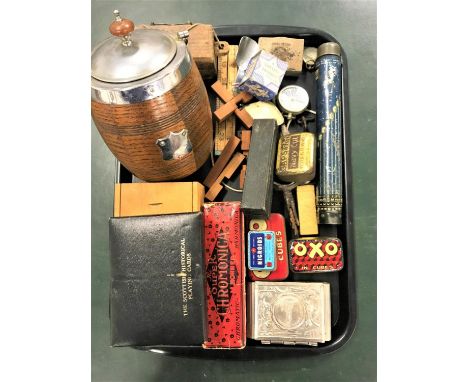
147 88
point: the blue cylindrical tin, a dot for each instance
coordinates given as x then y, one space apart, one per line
329 127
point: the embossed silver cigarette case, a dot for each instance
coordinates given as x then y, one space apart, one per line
289 313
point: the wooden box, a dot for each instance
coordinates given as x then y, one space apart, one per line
141 199
201 44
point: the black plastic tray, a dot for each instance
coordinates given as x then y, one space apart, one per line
342 283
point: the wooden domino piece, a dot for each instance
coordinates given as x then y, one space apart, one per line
242 176
244 116
222 161
232 166
245 140
231 106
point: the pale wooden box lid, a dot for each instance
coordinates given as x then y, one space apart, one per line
142 199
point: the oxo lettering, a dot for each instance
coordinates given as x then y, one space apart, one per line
313 249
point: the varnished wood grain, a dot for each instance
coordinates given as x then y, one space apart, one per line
245 137
222 161
143 199
242 176
228 171
121 27
130 131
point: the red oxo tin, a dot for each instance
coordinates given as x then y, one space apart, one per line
316 254
276 224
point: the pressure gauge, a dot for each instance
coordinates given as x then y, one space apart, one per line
293 99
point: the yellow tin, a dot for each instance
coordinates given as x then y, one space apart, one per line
295 160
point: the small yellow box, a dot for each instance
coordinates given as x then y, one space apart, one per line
307 211
141 199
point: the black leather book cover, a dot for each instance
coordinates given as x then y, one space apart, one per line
157 284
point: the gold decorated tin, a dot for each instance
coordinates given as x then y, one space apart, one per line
295 160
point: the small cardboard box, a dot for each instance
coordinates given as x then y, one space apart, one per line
201 44
263 76
287 49
142 199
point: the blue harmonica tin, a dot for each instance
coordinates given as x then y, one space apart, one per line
261 251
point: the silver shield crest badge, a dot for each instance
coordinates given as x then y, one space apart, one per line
175 145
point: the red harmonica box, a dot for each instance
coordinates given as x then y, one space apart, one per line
225 275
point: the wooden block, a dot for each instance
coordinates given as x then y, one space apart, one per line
227 109
245 140
232 166
287 49
230 127
242 176
235 162
142 199
117 199
221 161
307 211
201 44
223 112
221 91
225 91
213 192
231 106
244 117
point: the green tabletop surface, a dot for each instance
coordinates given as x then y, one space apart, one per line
353 24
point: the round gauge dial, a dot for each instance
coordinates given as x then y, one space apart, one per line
293 99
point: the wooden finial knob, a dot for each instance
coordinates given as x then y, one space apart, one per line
121 27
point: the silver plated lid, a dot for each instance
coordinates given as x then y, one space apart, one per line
131 55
